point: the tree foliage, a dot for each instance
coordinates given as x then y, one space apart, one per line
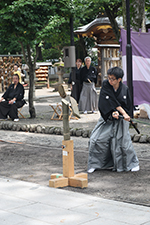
24 21
47 21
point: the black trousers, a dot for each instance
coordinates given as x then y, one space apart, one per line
10 110
76 90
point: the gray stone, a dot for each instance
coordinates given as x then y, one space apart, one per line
148 138
57 130
89 134
74 132
85 133
71 132
51 130
43 130
143 139
10 126
23 127
4 125
136 137
79 133
61 131
28 127
14 127
39 129
18 128
46 130
0 125
32 128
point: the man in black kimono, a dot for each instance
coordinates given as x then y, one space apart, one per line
110 143
88 97
12 99
74 81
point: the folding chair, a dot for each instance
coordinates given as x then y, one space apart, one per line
19 113
57 108
19 110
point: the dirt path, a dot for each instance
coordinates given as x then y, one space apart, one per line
32 161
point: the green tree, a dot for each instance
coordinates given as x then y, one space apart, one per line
24 21
83 12
9 45
137 14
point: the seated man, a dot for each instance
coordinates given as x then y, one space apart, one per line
12 99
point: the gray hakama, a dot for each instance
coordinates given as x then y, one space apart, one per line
88 98
110 145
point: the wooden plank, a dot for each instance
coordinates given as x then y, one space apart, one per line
56 175
68 158
78 182
82 175
74 106
58 182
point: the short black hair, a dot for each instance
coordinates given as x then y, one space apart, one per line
116 71
15 74
16 64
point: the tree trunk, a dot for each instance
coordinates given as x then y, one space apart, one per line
113 22
31 91
31 83
82 48
137 12
66 130
40 57
31 66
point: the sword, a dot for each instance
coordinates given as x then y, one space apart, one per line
132 123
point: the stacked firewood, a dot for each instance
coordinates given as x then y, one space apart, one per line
42 75
6 70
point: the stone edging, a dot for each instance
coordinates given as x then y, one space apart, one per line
78 132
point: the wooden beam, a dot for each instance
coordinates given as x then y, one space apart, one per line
56 175
58 182
78 182
68 158
81 175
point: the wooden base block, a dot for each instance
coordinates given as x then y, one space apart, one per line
58 182
78 182
82 175
56 175
68 158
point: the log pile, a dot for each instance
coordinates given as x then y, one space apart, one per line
42 75
6 70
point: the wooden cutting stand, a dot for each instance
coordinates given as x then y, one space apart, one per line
68 178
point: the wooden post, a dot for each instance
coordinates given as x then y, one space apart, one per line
102 65
65 108
68 178
68 158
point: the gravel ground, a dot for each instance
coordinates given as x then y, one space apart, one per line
34 157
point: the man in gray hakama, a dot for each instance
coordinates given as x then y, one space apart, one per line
88 97
110 144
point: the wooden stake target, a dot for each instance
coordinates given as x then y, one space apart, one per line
68 178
